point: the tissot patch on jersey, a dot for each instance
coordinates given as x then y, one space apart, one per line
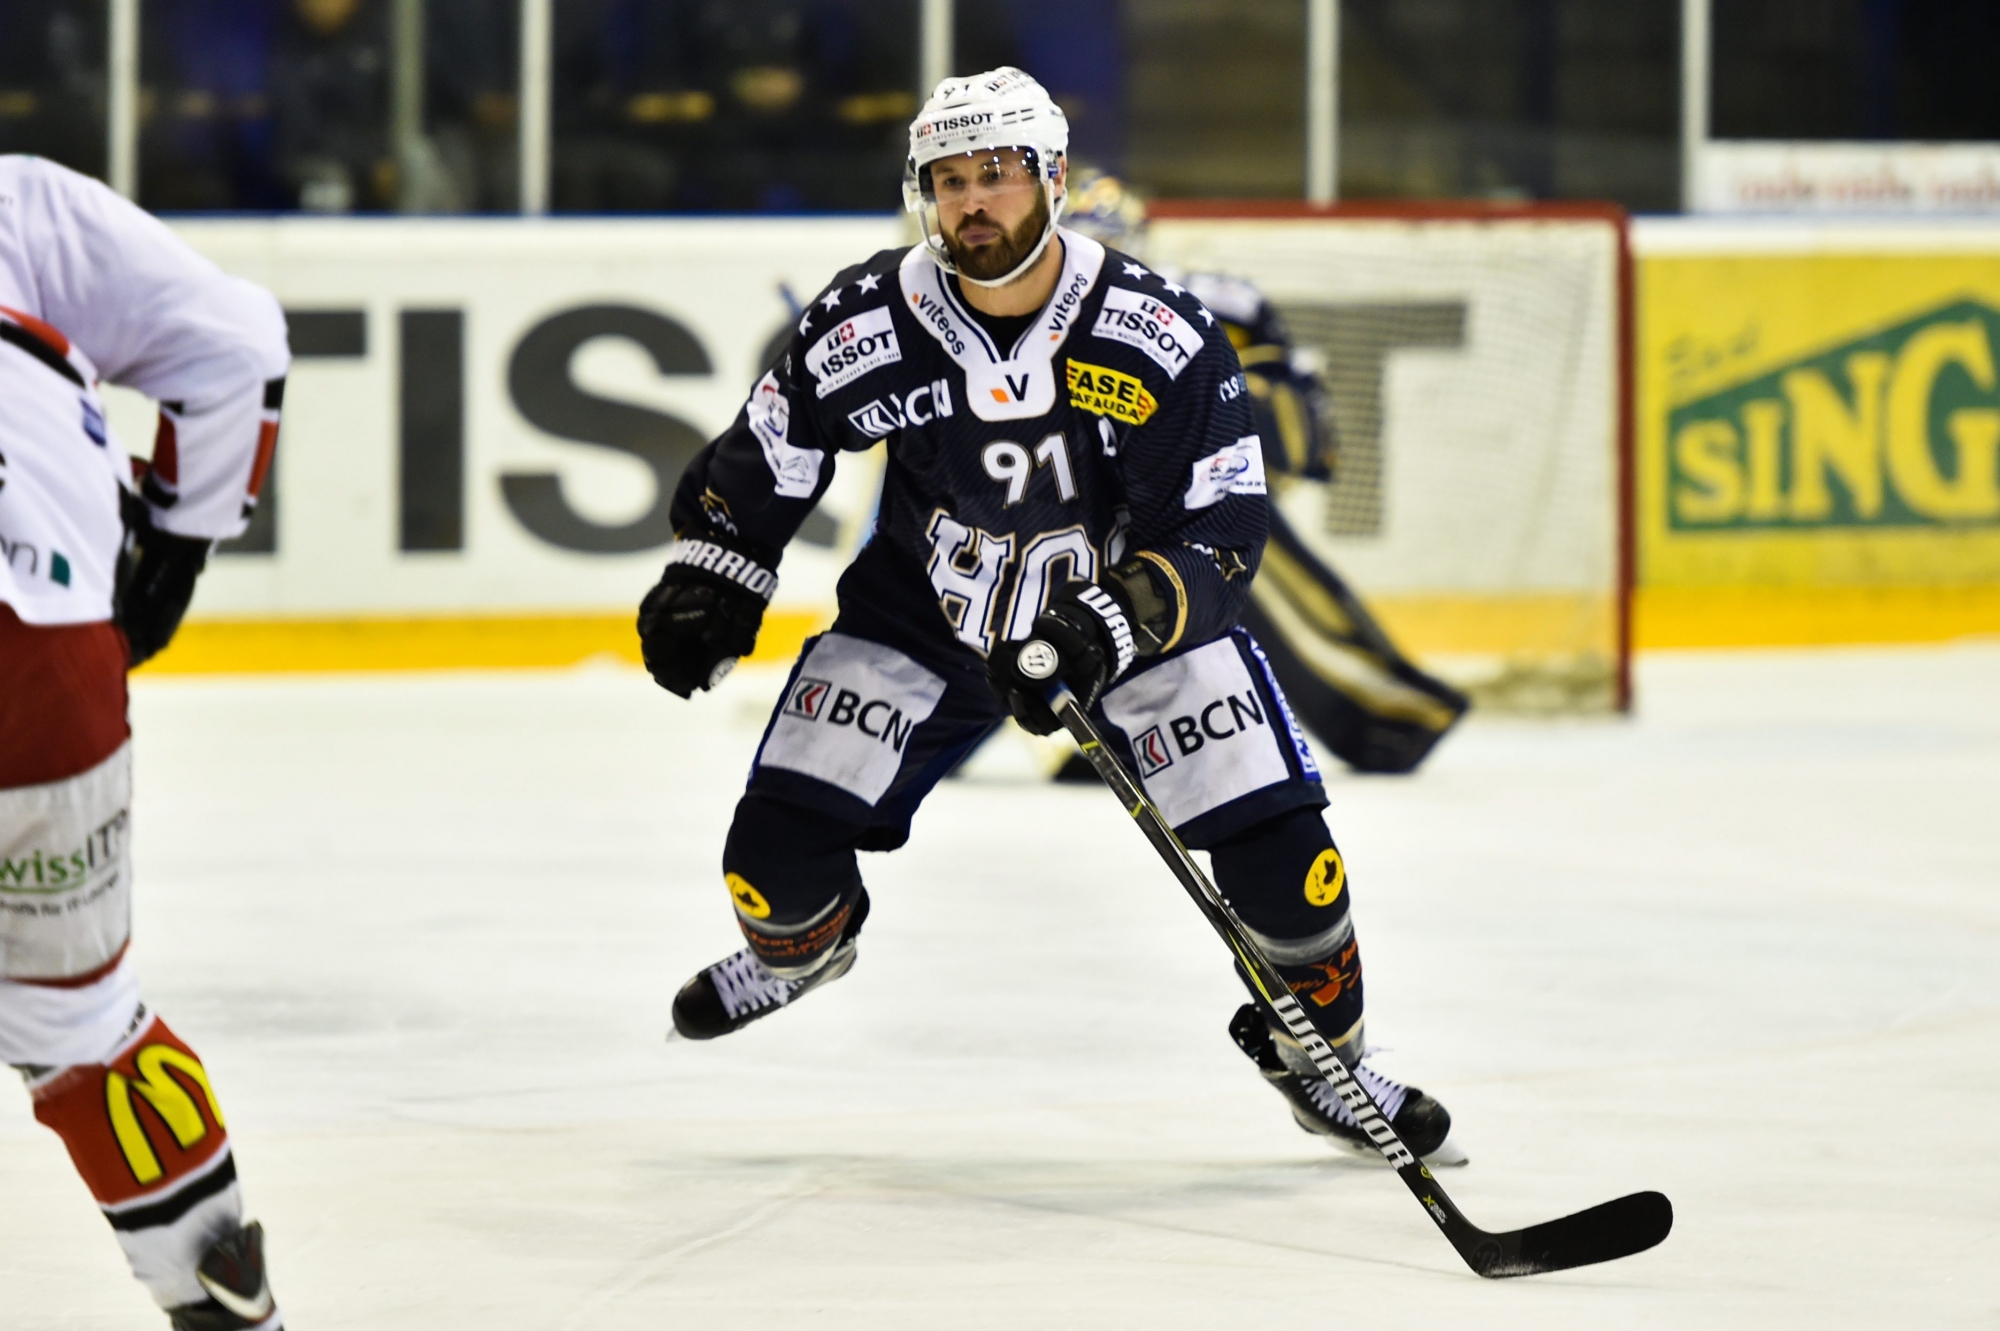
796 470
1235 470
865 342
1153 326
849 714
1109 393
1201 729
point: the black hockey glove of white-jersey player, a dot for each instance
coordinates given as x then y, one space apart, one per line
1088 636
155 581
705 612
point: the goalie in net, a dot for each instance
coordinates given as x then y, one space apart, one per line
1347 680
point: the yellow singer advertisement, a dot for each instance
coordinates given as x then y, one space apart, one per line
1819 447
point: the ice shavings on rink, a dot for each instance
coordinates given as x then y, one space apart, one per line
1744 949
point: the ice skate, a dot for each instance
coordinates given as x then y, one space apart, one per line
1422 1123
239 1295
740 988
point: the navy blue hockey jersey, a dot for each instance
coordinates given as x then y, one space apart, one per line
1118 425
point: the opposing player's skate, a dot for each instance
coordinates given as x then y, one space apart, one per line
740 988
239 1293
1418 1119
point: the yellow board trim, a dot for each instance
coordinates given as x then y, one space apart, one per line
220 646
1670 617
1663 618
1533 624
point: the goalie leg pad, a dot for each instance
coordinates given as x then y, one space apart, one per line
145 1132
1287 882
1357 693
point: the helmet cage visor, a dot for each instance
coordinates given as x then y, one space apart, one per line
920 197
996 168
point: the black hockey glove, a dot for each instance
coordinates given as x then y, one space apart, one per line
705 612
1083 639
155 581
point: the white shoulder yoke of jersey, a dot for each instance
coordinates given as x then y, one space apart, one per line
1003 383
154 316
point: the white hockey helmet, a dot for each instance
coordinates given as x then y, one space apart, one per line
1002 108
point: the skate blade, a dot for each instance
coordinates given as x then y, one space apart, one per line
1448 1155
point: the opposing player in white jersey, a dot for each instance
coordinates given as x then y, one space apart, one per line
1072 458
95 574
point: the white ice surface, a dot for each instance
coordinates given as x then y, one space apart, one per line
1744 949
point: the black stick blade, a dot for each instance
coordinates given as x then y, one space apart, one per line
1604 1233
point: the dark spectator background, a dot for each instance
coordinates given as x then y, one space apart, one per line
732 105
52 80
800 105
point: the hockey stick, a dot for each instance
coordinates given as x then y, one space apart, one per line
1603 1233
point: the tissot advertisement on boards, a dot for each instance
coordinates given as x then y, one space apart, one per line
487 418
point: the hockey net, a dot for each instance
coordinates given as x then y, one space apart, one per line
1479 362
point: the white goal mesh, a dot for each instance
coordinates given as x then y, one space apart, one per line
1478 368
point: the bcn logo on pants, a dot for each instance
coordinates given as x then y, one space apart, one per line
849 716
1225 718
1202 729
814 699
807 697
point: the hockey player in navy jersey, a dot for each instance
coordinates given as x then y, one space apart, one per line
1072 457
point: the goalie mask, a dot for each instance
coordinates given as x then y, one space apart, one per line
1107 210
1004 124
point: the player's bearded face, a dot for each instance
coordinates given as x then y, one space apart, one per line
988 232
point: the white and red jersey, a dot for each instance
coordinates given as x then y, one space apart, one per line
60 474
109 287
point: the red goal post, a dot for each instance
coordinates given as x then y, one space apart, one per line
1480 361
